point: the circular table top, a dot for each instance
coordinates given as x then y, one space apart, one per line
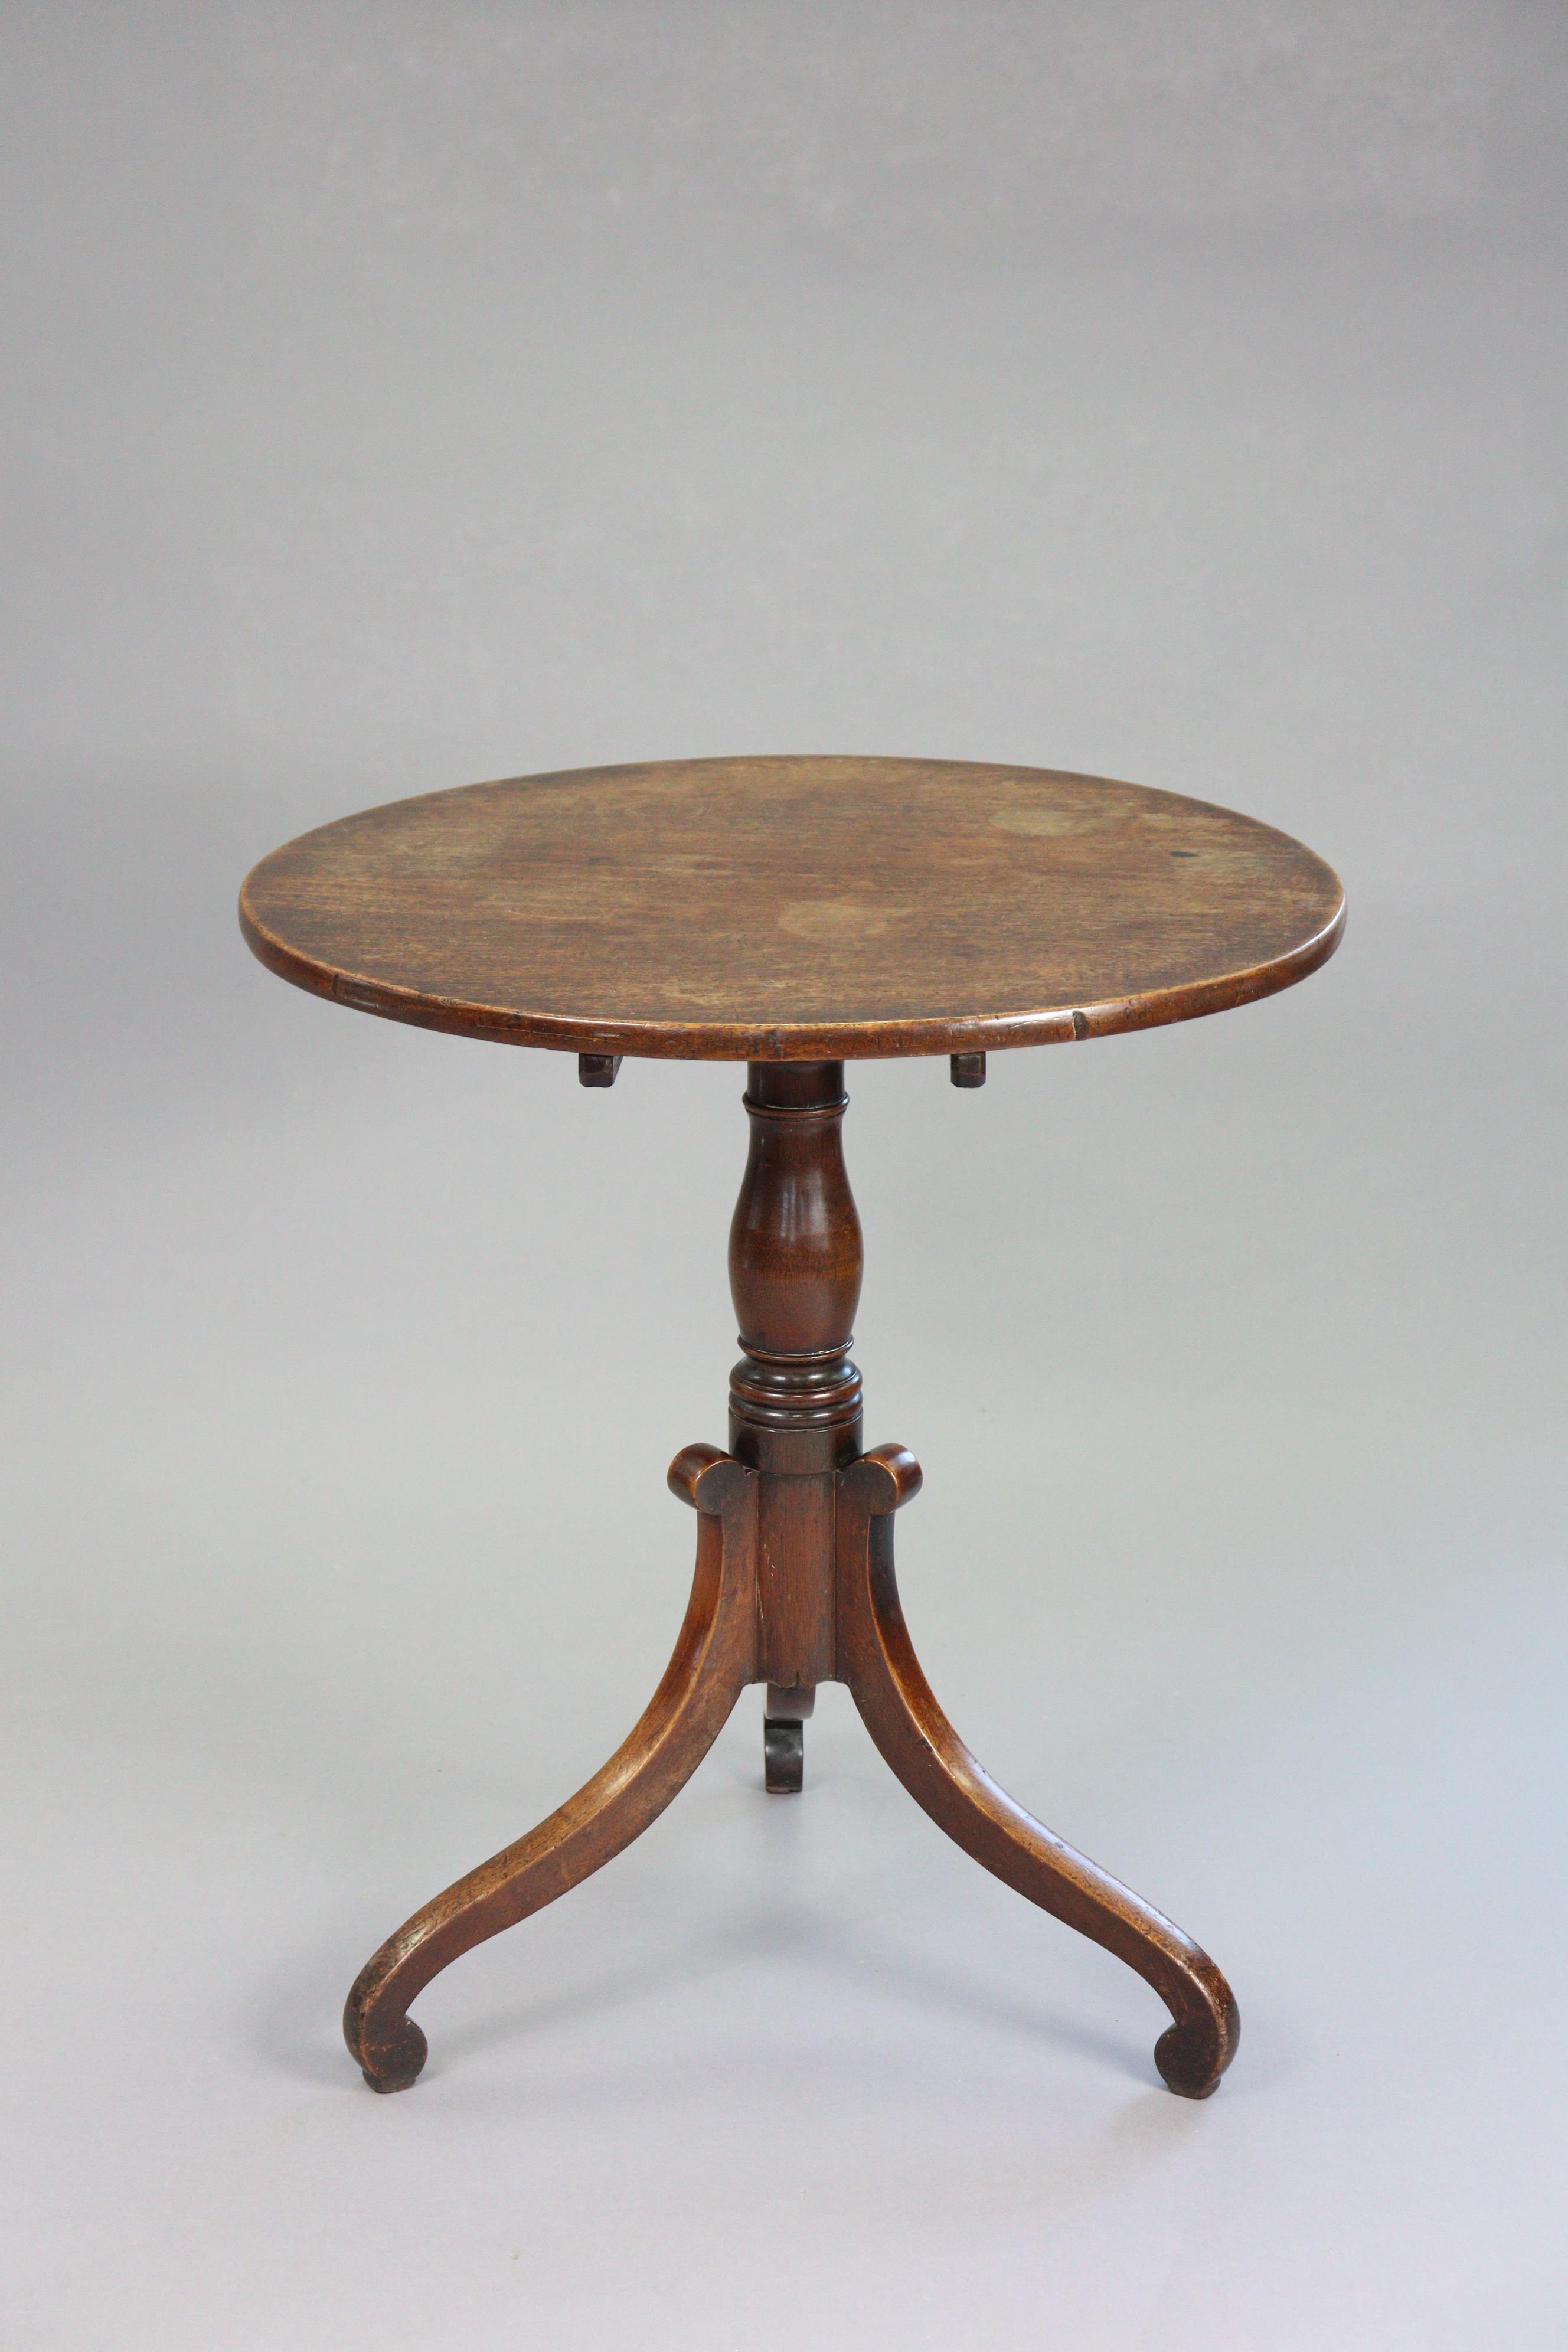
792 909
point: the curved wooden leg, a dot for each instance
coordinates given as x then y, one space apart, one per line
714 1659
878 1662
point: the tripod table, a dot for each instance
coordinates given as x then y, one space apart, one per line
792 913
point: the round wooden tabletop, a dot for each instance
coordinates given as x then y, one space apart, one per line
792 909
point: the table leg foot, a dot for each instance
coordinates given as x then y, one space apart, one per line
784 1757
784 1739
394 2063
714 1659
877 1661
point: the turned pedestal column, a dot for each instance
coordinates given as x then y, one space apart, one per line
795 1397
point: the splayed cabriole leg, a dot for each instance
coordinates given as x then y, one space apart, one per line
793 1587
878 1662
714 1659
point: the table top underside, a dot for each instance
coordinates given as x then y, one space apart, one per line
793 909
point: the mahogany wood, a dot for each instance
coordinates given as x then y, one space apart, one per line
793 912
715 1657
793 909
878 1662
795 1397
783 1755
795 1586
784 1739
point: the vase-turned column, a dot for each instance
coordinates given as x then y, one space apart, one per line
794 1396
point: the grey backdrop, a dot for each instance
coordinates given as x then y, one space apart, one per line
400 395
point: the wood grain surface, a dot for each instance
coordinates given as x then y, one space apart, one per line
795 1586
793 909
